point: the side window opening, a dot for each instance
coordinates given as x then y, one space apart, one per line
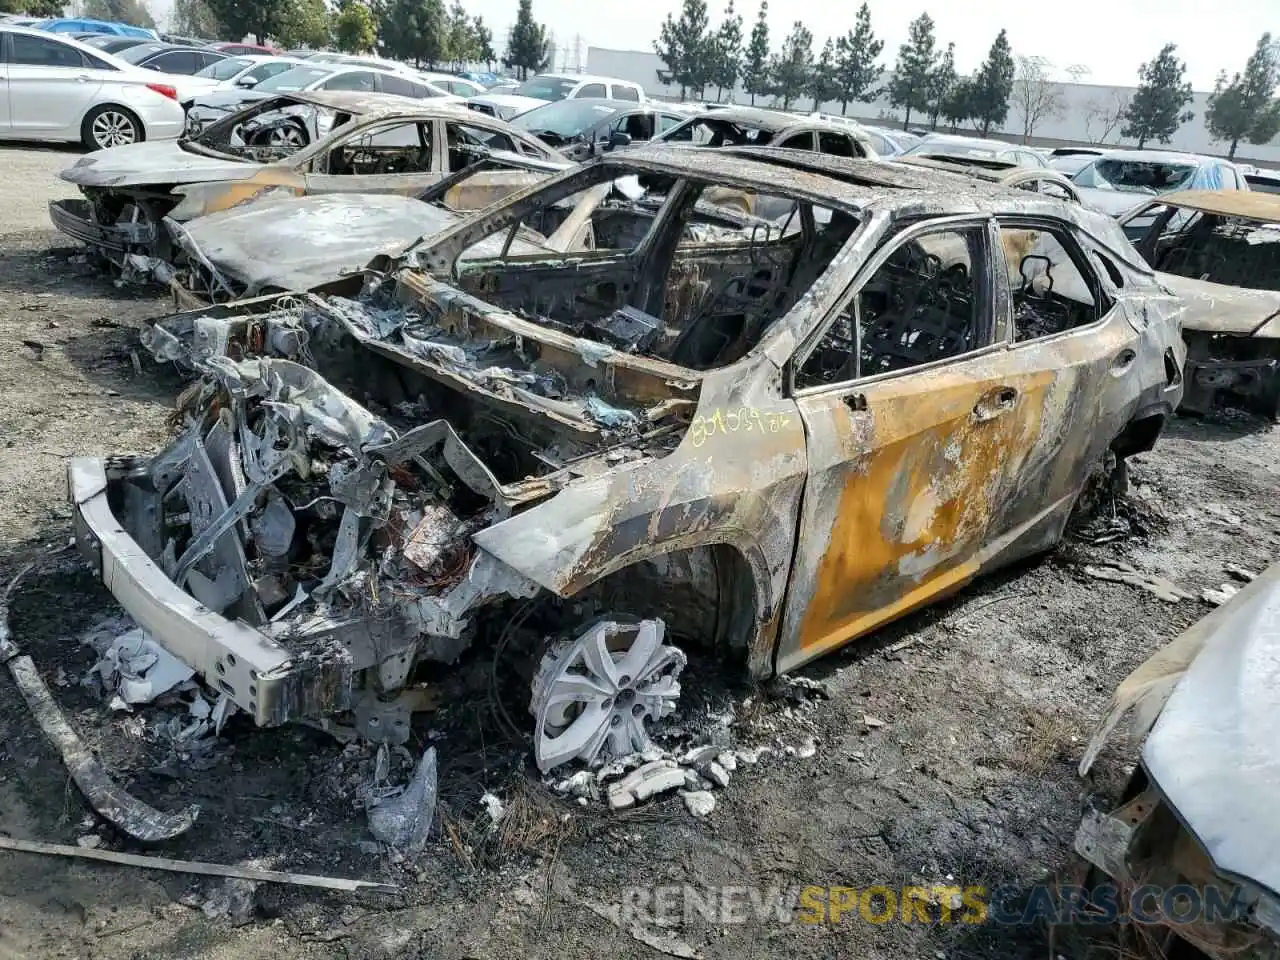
595 90
402 148
801 141
836 144
466 142
1050 290
922 305
623 92
638 126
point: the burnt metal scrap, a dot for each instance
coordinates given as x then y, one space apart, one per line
1220 251
771 441
1200 808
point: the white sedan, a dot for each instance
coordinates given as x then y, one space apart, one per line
242 71
56 88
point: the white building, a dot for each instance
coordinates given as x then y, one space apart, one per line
1088 110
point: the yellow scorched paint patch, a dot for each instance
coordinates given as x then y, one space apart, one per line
915 508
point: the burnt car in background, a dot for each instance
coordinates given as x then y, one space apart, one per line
373 144
581 128
1198 813
770 443
1220 251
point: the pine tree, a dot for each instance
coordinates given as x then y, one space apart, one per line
856 67
791 68
1155 112
728 53
917 58
755 63
823 83
1245 108
686 48
991 87
484 43
941 80
527 45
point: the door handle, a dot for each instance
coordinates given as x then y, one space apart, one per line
83 77
995 402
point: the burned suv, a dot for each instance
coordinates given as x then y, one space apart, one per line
772 440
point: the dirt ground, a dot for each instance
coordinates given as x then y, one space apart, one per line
970 779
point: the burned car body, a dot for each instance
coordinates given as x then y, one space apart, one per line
371 144
774 442
1220 251
1037 179
295 243
1200 808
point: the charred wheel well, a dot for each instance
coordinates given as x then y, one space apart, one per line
706 595
1141 433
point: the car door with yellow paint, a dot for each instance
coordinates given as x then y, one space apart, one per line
913 419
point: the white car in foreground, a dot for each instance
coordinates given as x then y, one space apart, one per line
61 89
549 87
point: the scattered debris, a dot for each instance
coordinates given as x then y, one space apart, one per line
117 805
36 347
1240 573
493 806
666 943
233 899
653 778
871 723
138 669
403 822
1219 596
700 803
1119 572
194 866
89 841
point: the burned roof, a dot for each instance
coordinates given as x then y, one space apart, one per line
773 120
1249 204
834 182
365 104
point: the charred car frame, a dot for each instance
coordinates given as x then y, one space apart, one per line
775 442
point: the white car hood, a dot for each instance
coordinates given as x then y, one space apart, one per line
508 105
153 162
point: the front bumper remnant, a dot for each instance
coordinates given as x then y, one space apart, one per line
259 674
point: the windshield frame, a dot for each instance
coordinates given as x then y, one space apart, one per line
560 88
1091 177
595 111
210 72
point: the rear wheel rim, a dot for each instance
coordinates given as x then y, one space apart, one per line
111 128
289 136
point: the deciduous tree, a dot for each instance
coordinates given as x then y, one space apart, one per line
306 23
354 28
118 11
856 67
1246 108
957 105
239 18
1156 110
1035 95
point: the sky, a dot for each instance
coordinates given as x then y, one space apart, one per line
1110 37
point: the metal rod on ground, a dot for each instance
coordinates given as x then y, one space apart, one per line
192 866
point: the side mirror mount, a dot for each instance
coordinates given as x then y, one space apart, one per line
247 82
619 139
